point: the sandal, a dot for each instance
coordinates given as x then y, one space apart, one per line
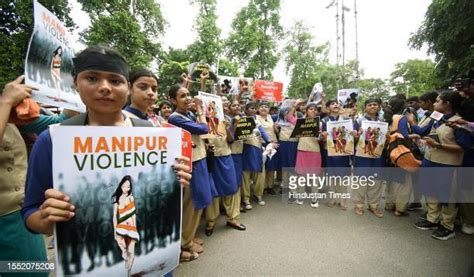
187 256
359 210
198 241
343 206
376 211
398 213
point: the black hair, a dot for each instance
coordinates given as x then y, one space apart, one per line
413 99
250 104
264 103
329 102
118 191
55 52
137 73
429 96
372 100
165 102
396 105
467 109
454 98
173 91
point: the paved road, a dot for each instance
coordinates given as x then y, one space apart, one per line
284 239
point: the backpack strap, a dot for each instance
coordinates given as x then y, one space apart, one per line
395 120
78 120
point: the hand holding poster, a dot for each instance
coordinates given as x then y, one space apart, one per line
340 141
195 70
372 140
244 127
347 97
268 91
126 196
230 85
49 63
212 106
306 127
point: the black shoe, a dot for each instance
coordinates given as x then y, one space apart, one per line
414 207
443 233
425 225
242 209
271 191
240 227
423 216
209 232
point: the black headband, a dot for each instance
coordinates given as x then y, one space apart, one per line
100 62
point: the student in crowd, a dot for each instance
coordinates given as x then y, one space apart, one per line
414 104
225 180
165 110
288 146
252 161
368 166
445 153
424 124
101 78
236 146
264 119
399 183
143 94
16 242
201 190
308 156
335 165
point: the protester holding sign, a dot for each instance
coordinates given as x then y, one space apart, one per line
271 165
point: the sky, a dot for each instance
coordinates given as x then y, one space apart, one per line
384 27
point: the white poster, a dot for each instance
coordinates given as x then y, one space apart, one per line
48 63
231 84
344 96
340 141
214 112
372 139
127 200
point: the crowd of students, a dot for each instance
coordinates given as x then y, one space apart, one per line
231 172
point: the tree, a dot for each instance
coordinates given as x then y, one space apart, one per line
207 46
303 59
227 68
253 39
447 31
414 77
16 26
131 27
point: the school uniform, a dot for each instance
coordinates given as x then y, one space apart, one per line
225 181
438 185
199 194
335 165
16 242
399 182
466 188
271 165
252 164
287 149
368 167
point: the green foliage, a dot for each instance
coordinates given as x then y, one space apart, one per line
228 68
132 27
449 34
16 26
207 46
414 77
170 72
253 40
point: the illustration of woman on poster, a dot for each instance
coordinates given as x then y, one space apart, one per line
335 139
125 220
212 120
368 134
56 70
342 139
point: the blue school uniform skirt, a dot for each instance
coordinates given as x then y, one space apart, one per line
436 180
252 159
287 153
336 166
202 185
224 177
237 158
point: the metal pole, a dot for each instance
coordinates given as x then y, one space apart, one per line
356 41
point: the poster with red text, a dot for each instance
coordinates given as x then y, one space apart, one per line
268 90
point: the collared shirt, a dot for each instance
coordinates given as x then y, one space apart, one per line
136 112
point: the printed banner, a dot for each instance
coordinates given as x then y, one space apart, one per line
306 127
214 111
231 84
372 139
344 97
186 143
244 128
48 63
268 91
128 202
195 70
340 142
